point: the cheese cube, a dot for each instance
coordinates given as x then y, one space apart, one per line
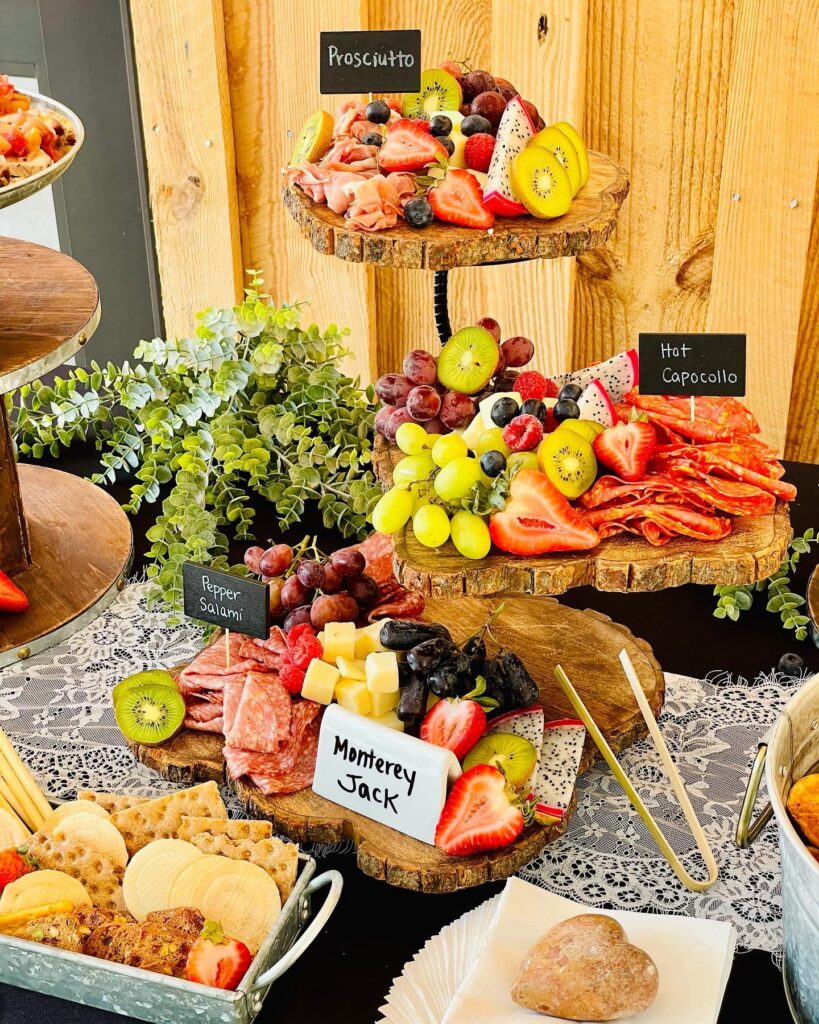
320 681
339 641
432 700
384 702
353 695
382 672
368 639
391 721
351 669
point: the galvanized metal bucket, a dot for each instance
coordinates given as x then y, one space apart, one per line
788 752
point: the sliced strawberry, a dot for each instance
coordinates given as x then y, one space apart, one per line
408 148
478 815
13 865
626 448
12 598
454 724
537 519
217 961
458 199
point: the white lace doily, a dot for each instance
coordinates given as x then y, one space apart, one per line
56 709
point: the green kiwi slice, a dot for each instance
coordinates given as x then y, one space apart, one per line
568 461
588 429
155 676
468 360
514 755
439 91
150 714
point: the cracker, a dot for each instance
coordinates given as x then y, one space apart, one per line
161 818
233 829
112 801
279 859
100 876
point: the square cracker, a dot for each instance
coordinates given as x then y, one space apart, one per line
100 876
161 818
233 829
279 859
112 801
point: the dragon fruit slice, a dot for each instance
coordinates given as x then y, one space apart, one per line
556 773
617 375
527 723
514 132
595 404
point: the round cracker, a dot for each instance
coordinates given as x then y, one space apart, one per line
67 809
40 888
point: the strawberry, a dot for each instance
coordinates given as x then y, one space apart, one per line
478 151
537 518
217 961
626 448
12 598
531 384
478 815
454 724
458 199
13 865
408 148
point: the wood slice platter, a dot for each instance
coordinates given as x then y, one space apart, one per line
587 644
752 551
50 308
587 225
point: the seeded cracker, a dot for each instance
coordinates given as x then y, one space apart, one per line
279 859
236 829
100 876
162 818
111 801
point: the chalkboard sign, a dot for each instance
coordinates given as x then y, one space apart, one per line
692 364
229 601
370 61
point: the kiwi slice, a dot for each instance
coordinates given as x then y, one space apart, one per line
439 91
540 182
155 676
468 360
568 461
514 755
588 429
150 714
558 142
314 138
580 148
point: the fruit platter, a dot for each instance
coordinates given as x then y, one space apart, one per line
498 477
463 172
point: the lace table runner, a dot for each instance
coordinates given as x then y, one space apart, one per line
56 709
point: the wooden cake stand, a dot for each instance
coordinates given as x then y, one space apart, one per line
66 542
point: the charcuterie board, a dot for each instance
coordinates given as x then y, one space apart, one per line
587 225
544 632
752 551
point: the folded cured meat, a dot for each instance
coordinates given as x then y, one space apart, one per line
394 601
693 489
715 419
657 522
208 670
283 767
729 462
261 721
300 775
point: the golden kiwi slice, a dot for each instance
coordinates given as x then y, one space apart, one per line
580 146
540 182
557 142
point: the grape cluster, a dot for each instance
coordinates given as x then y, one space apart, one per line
313 590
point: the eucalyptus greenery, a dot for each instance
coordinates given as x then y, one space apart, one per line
781 599
252 404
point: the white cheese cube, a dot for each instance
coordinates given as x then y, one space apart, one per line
368 639
320 681
391 721
382 672
351 669
353 695
339 641
384 702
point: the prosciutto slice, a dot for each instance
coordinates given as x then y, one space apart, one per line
261 722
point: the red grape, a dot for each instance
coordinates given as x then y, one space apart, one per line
294 593
532 111
476 82
276 560
500 366
381 418
398 417
423 403
297 616
421 367
332 580
310 573
253 558
348 562
435 426
363 589
517 351
490 325
490 105
457 410
333 608
393 388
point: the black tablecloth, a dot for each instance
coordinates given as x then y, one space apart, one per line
377 928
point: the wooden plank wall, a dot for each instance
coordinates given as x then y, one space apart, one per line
702 100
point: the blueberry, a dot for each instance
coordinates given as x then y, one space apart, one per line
566 409
448 145
504 411
536 408
418 212
440 124
571 391
377 111
790 665
475 124
372 139
492 463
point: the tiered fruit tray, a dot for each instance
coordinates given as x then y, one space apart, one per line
587 644
752 551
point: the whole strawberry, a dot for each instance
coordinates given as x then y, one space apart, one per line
216 960
478 151
13 865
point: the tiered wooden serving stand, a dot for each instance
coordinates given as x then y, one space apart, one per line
65 542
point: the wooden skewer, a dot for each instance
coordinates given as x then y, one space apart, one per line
14 793
25 776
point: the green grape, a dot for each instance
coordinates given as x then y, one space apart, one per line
527 460
411 438
457 478
470 534
392 511
412 469
447 448
492 441
430 525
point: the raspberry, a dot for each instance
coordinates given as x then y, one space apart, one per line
297 632
531 384
478 151
305 651
292 677
523 433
